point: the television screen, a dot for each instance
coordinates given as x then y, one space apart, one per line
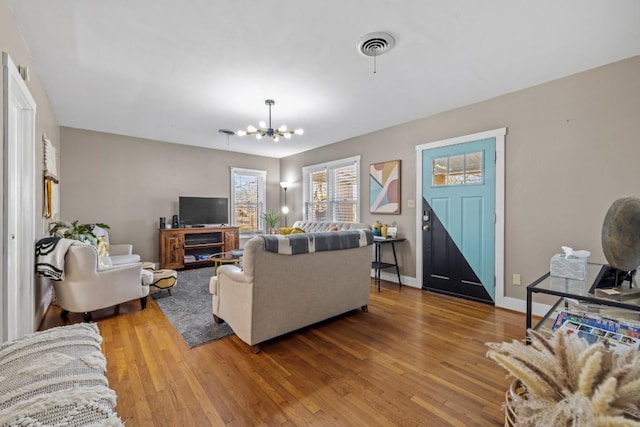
203 210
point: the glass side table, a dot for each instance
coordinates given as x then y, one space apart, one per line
577 290
232 257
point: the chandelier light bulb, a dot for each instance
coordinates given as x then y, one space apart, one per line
287 136
285 210
258 136
282 128
299 131
251 129
275 138
262 124
241 133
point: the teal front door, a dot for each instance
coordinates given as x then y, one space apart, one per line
458 219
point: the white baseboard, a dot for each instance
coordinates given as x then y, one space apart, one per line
507 303
393 278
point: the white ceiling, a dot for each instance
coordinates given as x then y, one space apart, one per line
179 71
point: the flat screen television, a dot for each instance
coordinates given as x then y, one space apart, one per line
198 211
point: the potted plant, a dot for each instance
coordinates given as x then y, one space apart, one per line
272 219
565 381
75 231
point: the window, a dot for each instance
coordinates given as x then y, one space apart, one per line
247 199
461 169
332 191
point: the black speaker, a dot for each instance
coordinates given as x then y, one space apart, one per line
174 222
163 222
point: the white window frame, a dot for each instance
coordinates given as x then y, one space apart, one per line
328 167
262 195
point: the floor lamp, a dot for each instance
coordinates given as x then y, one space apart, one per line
285 208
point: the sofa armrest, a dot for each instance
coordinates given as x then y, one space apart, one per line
125 249
233 301
233 272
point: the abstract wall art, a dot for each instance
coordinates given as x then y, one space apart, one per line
384 187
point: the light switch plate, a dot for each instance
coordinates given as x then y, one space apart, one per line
411 203
516 280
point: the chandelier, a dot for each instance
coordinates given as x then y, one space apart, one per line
262 130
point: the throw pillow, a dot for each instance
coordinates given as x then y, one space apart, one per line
103 247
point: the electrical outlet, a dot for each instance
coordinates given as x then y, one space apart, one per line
411 203
516 280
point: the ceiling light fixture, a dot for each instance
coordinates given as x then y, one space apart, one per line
226 132
262 130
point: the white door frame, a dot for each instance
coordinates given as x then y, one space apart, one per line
499 135
18 213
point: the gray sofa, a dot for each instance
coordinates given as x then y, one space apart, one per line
310 227
274 293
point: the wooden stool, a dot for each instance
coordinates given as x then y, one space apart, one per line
164 279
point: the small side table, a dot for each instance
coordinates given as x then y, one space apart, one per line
377 263
233 257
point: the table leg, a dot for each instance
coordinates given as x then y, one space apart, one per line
395 260
377 272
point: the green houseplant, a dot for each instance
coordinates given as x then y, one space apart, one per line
75 231
272 219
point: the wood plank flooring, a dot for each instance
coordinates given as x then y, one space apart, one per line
415 359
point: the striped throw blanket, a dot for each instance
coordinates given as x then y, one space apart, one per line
50 253
294 244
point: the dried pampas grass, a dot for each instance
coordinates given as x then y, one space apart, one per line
569 382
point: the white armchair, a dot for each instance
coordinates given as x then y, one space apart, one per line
86 288
118 254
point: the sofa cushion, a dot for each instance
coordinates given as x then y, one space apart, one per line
290 230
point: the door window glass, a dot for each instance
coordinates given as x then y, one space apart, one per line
460 169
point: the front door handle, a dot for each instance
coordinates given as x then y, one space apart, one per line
426 227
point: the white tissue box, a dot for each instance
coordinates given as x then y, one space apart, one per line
569 268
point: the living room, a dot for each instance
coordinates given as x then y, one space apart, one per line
571 150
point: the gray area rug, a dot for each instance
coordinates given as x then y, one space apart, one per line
189 309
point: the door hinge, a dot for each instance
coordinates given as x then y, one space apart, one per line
495 157
495 218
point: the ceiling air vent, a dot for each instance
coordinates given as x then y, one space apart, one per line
375 44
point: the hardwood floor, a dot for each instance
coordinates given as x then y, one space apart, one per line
415 359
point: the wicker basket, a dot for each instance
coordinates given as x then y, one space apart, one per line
515 389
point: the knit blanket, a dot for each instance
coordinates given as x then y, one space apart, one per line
50 253
294 244
56 378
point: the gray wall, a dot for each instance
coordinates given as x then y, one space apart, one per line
572 148
11 41
128 183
